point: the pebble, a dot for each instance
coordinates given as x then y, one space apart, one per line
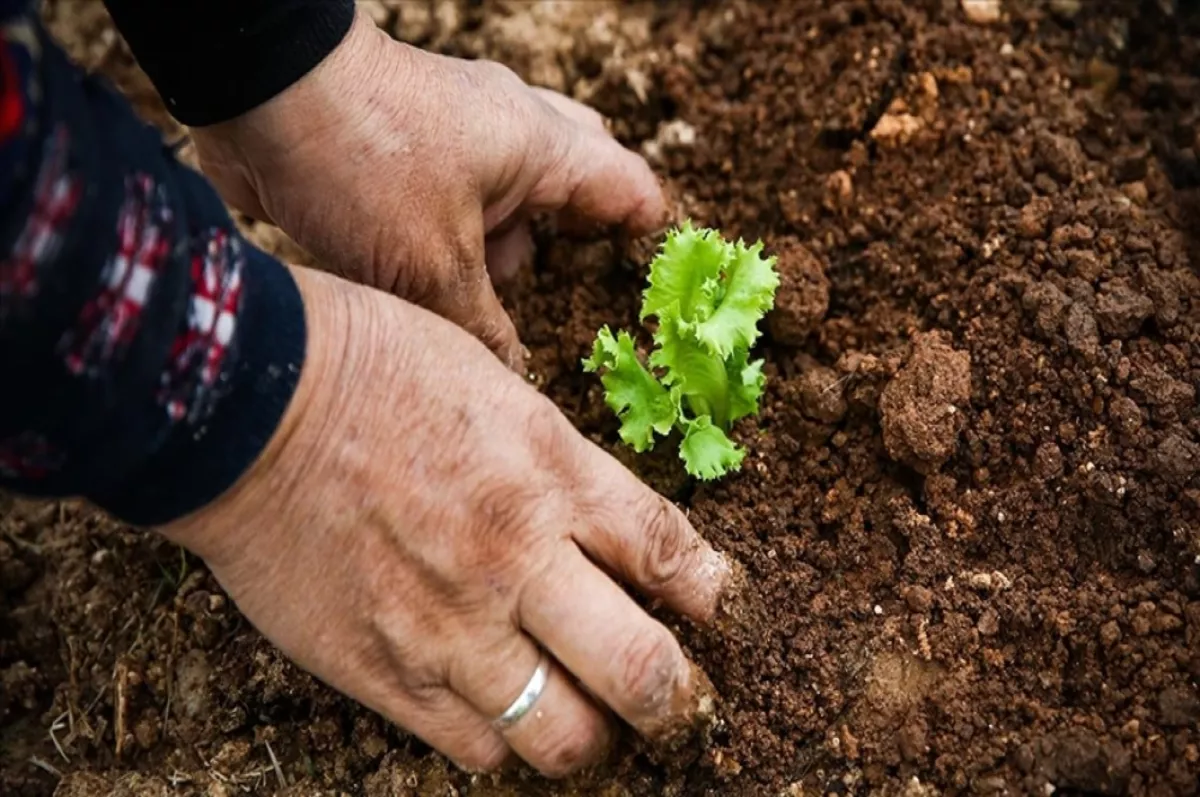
982 12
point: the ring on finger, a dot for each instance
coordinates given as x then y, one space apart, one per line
529 695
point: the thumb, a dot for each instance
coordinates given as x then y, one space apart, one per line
470 302
456 285
485 317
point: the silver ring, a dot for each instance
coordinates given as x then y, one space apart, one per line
529 695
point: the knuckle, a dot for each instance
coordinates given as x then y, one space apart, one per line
424 685
651 665
506 519
667 554
553 438
557 755
484 753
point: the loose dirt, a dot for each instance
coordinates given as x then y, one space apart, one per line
970 512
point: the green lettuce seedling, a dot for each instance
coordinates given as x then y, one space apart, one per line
708 296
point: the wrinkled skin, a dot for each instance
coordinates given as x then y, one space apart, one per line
417 174
424 520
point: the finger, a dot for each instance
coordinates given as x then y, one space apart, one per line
572 109
461 292
450 725
509 251
596 178
570 220
485 318
562 733
621 655
646 540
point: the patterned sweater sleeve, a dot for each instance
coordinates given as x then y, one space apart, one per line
147 351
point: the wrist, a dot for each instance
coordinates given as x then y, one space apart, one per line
315 106
260 157
225 416
328 314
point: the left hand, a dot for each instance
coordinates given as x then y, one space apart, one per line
419 555
416 173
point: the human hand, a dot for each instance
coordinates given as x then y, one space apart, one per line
417 174
424 521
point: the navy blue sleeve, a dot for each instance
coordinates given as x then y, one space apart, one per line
212 60
147 351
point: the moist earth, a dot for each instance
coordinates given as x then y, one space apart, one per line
970 510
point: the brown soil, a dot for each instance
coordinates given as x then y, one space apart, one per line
970 512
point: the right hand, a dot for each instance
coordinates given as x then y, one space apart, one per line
417 174
424 520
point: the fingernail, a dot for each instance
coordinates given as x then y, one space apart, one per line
673 743
715 575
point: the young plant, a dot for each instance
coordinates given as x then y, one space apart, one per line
708 296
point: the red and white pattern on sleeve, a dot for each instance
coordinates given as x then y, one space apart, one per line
55 199
110 319
198 355
29 455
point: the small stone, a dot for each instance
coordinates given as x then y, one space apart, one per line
822 394
1164 623
991 784
1136 192
1048 304
1024 758
896 129
1035 218
1140 625
1178 707
839 190
1126 414
673 136
1085 265
1082 333
1059 156
146 731
919 599
989 623
983 581
1048 461
1120 310
1177 459
1072 235
920 406
982 12
929 85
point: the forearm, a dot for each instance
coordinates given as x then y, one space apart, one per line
147 350
213 60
